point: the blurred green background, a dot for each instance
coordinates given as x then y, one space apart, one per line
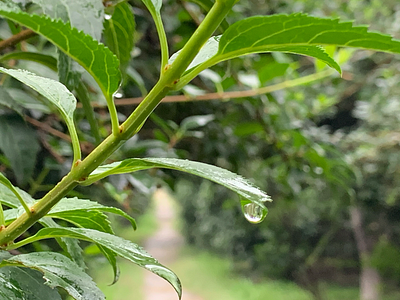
327 152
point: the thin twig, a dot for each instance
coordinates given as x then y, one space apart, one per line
48 128
227 95
16 38
85 146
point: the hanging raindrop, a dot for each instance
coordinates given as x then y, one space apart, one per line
254 213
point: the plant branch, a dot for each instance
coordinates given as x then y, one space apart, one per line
16 38
229 95
82 169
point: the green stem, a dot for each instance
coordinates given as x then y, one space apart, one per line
171 76
2 220
163 41
84 98
82 169
76 147
112 110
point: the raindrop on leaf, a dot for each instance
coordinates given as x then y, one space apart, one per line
253 212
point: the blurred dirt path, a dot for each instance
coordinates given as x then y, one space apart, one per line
164 245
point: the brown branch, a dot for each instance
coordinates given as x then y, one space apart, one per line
85 146
48 128
227 95
16 38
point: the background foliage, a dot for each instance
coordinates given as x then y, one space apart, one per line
318 149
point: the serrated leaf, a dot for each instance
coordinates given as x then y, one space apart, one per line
98 60
19 144
85 15
59 271
27 284
209 53
265 33
8 198
57 94
120 246
221 176
82 213
295 33
119 31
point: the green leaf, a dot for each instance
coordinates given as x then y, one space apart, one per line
57 94
296 33
88 214
4 181
70 246
75 204
206 52
119 31
59 271
7 100
44 59
85 15
8 198
69 71
98 60
85 214
19 144
120 246
22 283
92 220
154 6
299 29
224 177
27 100
288 32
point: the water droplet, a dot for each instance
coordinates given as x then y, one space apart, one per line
118 95
254 213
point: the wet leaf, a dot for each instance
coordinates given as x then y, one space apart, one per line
119 31
221 176
295 33
98 60
57 94
27 284
59 271
120 246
